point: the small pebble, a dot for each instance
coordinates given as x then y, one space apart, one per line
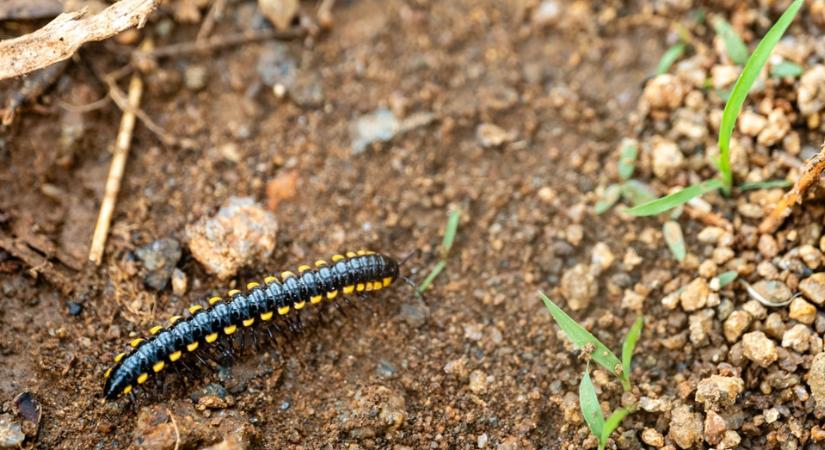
685 427
653 438
759 349
240 234
194 78
736 324
74 308
802 311
772 291
179 282
159 259
478 382
11 433
798 338
579 287
695 295
380 125
490 135
813 288
816 379
718 392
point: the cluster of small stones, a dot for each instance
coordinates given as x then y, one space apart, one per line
752 350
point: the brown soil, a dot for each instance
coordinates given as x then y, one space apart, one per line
486 366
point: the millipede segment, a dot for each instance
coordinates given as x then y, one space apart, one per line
353 272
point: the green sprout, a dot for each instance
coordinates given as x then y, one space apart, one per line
588 400
446 244
733 107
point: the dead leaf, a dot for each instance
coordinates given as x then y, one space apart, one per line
279 12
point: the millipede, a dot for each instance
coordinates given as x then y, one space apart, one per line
278 297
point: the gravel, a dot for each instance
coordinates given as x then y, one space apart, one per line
759 348
813 288
159 259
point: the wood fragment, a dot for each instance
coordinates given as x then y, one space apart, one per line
121 153
33 87
61 37
38 264
810 175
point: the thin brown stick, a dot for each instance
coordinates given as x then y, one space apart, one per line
122 102
215 12
121 153
813 170
174 427
217 42
61 37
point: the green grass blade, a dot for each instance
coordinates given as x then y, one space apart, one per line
608 199
669 57
581 337
636 192
627 160
786 69
737 50
768 184
589 404
630 344
727 278
437 269
450 231
743 84
675 199
675 239
611 424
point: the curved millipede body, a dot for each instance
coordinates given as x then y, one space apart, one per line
355 272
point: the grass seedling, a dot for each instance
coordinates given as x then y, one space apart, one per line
733 107
446 244
588 400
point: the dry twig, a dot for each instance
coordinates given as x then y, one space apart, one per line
216 42
61 37
813 170
121 153
215 12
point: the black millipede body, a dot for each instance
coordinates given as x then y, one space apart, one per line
355 272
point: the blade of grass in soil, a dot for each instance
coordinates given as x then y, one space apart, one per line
675 199
740 90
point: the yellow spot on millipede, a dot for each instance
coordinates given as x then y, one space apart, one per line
315 299
192 347
108 373
230 329
270 279
286 275
337 258
158 366
119 357
283 310
299 305
368 286
303 268
136 342
320 263
210 338
266 316
174 356
359 287
332 294
361 252
214 300
155 329
248 322
127 390
351 255
195 308
348 289
142 378
387 281
251 285
174 319
233 292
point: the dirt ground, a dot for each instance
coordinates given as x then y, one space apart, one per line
478 364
